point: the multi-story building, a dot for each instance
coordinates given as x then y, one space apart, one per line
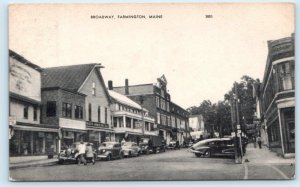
76 100
156 99
278 96
129 117
27 135
180 120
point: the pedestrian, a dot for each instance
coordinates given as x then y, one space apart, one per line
81 152
259 141
89 153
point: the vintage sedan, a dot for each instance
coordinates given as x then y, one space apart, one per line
172 145
110 150
130 149
71 155
213 147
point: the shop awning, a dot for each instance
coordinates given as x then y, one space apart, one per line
73 130
100 130
38 129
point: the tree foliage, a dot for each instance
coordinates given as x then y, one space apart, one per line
217 116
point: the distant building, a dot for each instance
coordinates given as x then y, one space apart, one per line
76 100
128 118
196 122
27 135
277 95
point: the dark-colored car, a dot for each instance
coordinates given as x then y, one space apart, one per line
110 150
173 145
70 155
213 147
153 144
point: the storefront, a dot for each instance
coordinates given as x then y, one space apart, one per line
70 136
32 141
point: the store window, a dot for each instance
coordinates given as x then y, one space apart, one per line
51 108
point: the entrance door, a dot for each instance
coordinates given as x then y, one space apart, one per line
289 124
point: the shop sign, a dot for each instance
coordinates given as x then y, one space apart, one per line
96 125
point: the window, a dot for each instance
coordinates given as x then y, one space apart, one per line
25 113
162 93
90 112
99 113
168 107
78 112
285 71
163 104
158 118
105 115
51 108
94 89
35 113
115 122
67 110
157 101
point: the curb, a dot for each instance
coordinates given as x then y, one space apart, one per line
33 165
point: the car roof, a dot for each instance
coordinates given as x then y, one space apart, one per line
112 142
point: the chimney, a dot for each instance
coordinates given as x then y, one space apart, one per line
110 85
126 87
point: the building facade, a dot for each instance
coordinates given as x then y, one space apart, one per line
75 100
278 96
27 135
156 99
129 118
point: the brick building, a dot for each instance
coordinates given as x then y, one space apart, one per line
156 99
277 97
27 135
75 99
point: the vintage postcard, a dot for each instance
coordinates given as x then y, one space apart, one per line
151 92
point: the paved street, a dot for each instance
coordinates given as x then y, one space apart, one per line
171 165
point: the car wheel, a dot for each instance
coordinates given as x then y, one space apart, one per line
198 155
121 155
207 154
60 162
108 157
147 152
138 153
129 154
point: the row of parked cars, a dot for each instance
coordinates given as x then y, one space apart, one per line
114 150
219 147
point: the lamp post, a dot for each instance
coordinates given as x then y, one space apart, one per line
143 121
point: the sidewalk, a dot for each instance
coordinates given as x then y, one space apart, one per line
29 161
264 156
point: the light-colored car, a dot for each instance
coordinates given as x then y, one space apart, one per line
110 150
130 149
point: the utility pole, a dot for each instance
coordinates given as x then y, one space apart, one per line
143 121
239 156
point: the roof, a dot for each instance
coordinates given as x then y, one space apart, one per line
124 100
140 89
66 77
24 60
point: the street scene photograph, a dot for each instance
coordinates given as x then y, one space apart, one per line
151 92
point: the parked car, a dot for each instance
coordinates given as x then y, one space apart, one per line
213 147
130 149
153 144
71 155
173 145
110 150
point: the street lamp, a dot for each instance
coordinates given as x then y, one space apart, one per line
142 113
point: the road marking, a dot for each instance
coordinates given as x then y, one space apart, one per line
279 171
246 172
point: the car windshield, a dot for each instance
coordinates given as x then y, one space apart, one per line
107 144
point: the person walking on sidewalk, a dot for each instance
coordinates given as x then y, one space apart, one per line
81 152
89 153
259 141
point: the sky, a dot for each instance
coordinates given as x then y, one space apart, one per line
200 57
